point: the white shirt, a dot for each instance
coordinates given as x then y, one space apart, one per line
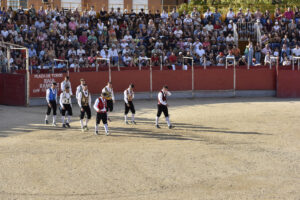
296 51
127 59
160 97
96 105
65 98
110 90
64 84
200 52
112 53
80 52
48 93
78 90
126 92
85 93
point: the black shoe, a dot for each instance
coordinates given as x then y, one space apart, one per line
133 122
46 122
96 133
64 126
157 126
171 126
68 125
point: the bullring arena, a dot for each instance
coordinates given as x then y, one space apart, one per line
215 151
232 133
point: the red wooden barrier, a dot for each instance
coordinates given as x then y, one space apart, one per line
39 83
288 84
95 80
255 79
213 79
178 80
121 80
13 89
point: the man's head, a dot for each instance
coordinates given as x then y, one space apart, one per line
85 87
165 88
82 81
109 84
67 78
103 94
53 85
67 89
131 86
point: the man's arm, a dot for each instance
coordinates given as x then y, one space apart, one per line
96 105
60 101
79 99
47 96
125 97
161 99
62 86
90 100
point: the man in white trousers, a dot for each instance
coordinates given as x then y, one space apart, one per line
128 97
100 107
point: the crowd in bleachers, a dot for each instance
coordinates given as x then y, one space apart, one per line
127 37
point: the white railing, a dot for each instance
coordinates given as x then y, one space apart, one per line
297 59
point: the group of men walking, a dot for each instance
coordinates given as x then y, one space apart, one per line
102 105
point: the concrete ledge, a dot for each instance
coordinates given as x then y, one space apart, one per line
180 94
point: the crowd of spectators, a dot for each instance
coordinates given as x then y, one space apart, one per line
126 38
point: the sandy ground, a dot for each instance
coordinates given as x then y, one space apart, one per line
234 148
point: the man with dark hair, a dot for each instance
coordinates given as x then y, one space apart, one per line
65 102
162 106
110 97
80 87
84 103
100 107
51 98
66 83
128 97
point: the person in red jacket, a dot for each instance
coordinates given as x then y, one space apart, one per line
100 107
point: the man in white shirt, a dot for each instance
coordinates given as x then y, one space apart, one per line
296 50
51 98
128 97
110 97
162 106
84 102
80 87
66 83
100 108
113 54
200 51
65 102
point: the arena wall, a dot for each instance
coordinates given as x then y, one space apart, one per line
13 89
288 84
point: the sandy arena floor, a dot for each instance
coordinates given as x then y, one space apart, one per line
233 148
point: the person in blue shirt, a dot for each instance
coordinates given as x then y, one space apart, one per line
51 98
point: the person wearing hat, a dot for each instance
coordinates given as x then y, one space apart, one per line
84 102
66 83
65 102
100 107
128 97
51 98
104 52
162 106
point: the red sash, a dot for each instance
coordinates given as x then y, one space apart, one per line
101 105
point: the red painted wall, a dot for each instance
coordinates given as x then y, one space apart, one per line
12 89
213 79
288 84
209 79
178 80
122 79
256 79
